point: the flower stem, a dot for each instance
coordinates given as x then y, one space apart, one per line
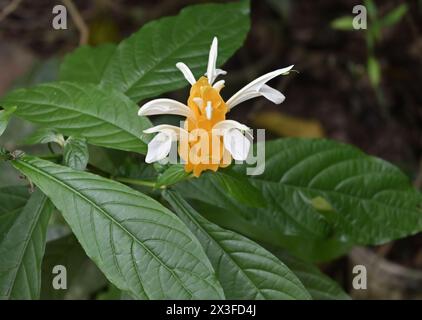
136 181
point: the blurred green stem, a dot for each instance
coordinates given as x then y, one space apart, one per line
136 181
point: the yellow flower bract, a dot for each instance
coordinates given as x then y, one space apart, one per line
204 150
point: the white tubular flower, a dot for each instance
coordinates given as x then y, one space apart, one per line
258 88
159 147
234 140
186 72
212 71
165 106
205 114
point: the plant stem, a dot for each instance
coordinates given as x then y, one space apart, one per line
136 181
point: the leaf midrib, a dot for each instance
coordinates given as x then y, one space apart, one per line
218 245
26 243
45 174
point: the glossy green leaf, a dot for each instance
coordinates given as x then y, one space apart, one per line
75 153
308 248
5 116
245 269
45 135
373 202
83 278
238 187
143 65
22 243
172 175
140 246
104 117
320 286
13 199
86 64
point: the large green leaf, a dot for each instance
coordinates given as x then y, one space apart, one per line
82 275
320 286
245 269
22 243
13 199
308 248
104 117
369 200
140 246
86 64
144 64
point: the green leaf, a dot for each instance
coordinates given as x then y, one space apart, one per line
143 65
372 200
239 187
394 16
308 248
5 116
172 175
75 153
45 135
320 286
343 23
374 71
82 275
104 117
245 269
13 199
139 245
22 243
86 64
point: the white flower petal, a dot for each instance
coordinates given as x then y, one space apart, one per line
272 94
208 110
237 144
221 127
173 131
256 88
212 60
159 147
217 73
186 72
165 106
219 85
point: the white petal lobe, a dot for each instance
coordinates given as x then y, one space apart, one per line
165 106
272 94
258 88
237 144
219 85
186 72
159 147
172 131
212 60
221 127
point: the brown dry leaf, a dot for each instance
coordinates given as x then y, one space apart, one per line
288 126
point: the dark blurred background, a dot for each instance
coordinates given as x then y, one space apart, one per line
332 95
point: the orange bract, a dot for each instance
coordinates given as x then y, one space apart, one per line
204 151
